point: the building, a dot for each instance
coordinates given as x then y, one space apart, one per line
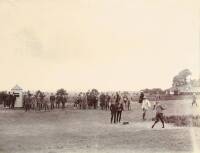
18 92
184 89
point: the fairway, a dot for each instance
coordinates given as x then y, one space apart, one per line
90 131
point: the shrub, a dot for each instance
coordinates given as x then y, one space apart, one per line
184 120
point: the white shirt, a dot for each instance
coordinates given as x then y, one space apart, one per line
146 104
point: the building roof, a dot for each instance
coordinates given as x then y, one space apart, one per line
16 87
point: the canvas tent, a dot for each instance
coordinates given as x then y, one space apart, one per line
18 92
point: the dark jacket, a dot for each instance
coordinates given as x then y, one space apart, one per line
117 98
141 97
120 107
52 98
113 108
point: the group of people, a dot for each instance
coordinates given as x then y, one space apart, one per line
85 101
115 102
116 109
104 100
9 100
89 100
107 100
43 102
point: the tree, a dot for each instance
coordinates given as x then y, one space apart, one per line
95 92
184 73
178 81
154 91
39 93
61 92
181 78
157 91
146 90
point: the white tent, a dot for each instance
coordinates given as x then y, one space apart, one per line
18 92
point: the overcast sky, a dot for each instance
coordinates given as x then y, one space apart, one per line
105 44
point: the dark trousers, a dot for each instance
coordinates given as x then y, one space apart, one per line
102 106
27 107
4 103
119 114
40 106
33 106
107 106
113 117
52 105
194 102
57 104
63 105
46 106
159 116
95 105
12 104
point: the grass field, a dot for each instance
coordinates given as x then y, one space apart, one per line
90 131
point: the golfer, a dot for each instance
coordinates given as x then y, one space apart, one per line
159 114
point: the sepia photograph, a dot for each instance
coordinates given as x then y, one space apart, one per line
100 76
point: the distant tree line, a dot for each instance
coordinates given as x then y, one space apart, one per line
154 91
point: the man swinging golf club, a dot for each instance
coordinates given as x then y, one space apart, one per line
159 114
